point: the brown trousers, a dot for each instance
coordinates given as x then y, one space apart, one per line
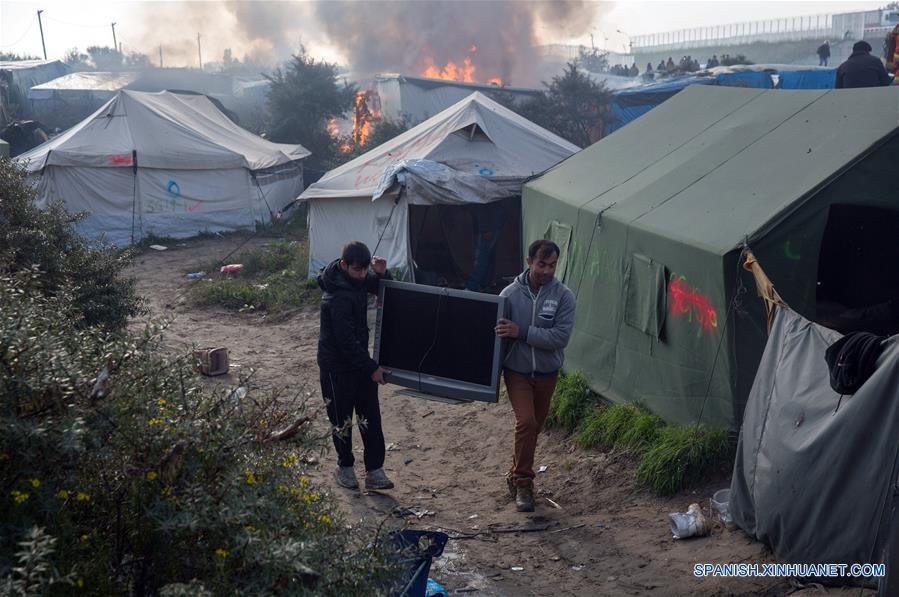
530 401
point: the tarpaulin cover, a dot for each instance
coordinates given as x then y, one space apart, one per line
808 79
631 103
685 186
815 482
475 151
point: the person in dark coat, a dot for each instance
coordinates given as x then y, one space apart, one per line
862 69
348 375
823 53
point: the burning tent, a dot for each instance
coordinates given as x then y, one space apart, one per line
461 174
164 164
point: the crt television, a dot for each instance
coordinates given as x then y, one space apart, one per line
439 341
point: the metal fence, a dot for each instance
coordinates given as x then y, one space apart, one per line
772 30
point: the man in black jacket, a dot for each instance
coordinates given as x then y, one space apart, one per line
861 69
348 375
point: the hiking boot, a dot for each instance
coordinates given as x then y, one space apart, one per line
510 483
346 477
524 498
377 479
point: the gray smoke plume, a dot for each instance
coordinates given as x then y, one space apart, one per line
499 37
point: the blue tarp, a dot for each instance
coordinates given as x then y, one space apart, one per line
628 104
808 79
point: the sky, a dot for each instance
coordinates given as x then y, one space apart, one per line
140 26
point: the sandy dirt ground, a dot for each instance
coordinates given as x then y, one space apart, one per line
610 536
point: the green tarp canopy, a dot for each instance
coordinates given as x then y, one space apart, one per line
653 219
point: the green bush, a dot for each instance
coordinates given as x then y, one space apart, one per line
123 473
681 455
274 279
570 403
46 239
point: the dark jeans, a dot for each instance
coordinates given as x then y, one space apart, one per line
343 393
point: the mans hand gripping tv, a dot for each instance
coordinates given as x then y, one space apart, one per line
538 323
348 374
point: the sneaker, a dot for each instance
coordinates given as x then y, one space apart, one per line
524 498
377 479
346 477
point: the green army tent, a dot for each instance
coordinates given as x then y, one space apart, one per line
652 221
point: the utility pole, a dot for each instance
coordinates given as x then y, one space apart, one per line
160 55
115 45
199 53
41 25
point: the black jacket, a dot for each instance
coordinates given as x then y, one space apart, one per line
343 332
862 69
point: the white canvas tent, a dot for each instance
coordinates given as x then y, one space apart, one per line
474 152
164 164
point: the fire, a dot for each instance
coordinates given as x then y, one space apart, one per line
495 81
365 115
450 72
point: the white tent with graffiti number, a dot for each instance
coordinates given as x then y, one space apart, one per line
164 164
425 197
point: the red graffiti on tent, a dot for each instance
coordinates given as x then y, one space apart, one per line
119 160
686 300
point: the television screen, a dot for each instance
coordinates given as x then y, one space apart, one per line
439 341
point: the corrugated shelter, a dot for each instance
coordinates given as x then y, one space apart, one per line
473 153
164 164
653 220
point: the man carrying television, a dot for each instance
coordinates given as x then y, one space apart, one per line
540 316
348 374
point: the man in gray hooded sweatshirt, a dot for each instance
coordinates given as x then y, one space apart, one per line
538 323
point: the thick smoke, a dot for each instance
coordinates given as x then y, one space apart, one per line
499 38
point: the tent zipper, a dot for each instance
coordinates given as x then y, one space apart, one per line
533 323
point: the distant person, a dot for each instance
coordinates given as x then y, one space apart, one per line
348 375
633 71
661 67
713 61
823 53
649 67
539 319
669 66
862 69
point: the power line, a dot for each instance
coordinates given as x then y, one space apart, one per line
27 31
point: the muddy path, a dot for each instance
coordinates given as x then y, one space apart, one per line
610 536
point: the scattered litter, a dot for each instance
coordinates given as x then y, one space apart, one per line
577 526
516 568
720 505
433 589
237 394
417 512
260 286
472 516
601 525
555 558
577 567
158 247
553 504
231 268
407 461
467 589
212 361
196 276
691 523
391 447
427 414
542 469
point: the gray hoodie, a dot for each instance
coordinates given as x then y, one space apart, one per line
544 319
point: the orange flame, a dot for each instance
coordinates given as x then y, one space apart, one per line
495 81
450 72
365 115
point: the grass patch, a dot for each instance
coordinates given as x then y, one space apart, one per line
670 456
571 402
274 279
628 426
681 455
